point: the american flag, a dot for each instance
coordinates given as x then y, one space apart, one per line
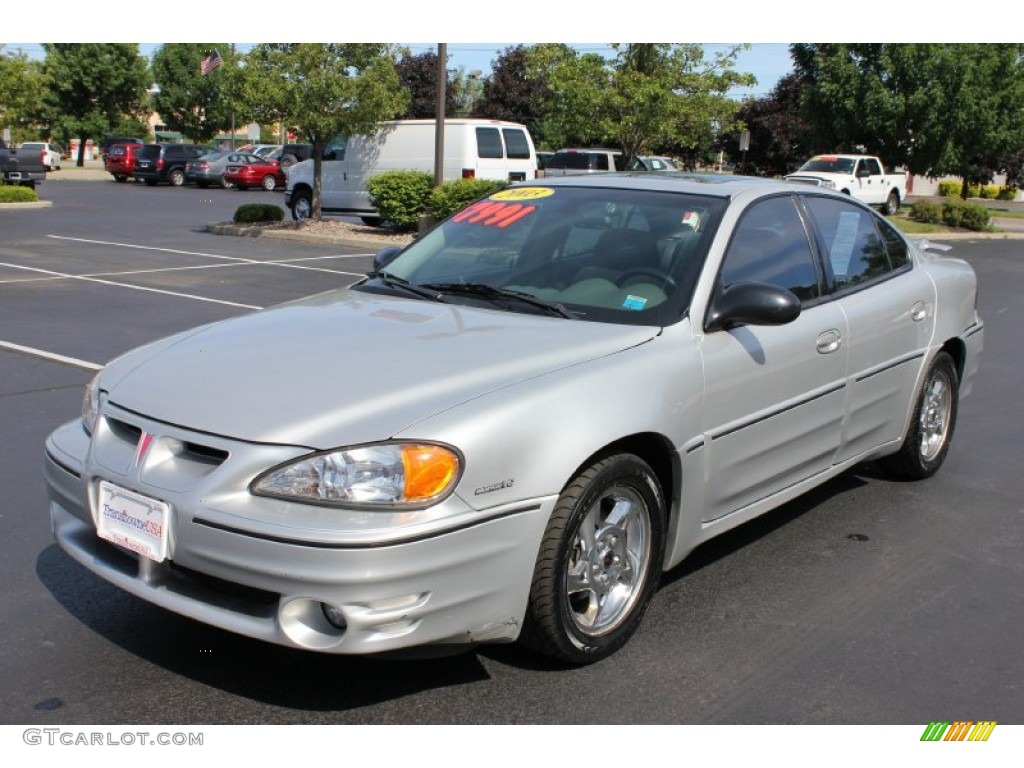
210 63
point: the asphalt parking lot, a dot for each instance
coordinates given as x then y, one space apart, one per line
866 602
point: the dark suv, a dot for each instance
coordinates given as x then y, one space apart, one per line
294 153
164 162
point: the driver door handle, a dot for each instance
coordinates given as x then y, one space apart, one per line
829 341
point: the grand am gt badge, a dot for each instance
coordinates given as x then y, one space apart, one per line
495 487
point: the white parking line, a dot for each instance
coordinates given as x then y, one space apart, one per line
50 356
129 285
205 255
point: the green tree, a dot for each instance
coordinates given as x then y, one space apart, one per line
419 75
779 136
92 87
21 94
510 93
323 90
647 95
935 108
189 102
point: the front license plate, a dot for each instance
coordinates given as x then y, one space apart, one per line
133 521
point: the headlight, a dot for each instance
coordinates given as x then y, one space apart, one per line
828 184
91 404
403 475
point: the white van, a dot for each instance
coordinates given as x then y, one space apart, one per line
473 148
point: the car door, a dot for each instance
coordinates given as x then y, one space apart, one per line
335 184
890 314
773 395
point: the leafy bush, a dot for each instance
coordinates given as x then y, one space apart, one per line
252 212
926 212
949 188
988 192
966 215
453 196
12 194
401 197
1007 193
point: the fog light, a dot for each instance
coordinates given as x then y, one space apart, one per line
333 615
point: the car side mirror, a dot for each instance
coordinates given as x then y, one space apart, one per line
752 304
385 256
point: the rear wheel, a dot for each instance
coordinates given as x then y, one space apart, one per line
931 424
599 562
269 182
176 177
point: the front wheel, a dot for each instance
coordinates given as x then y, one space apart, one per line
892 204
931 424
302 204
599 562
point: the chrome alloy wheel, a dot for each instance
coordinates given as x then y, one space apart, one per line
608 561
935 415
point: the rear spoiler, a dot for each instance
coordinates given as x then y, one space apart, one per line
924 244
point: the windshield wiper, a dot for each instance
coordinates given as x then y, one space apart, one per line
484 291
394 281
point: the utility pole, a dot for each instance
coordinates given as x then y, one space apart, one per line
442 81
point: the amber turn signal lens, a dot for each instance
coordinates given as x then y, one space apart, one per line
429 470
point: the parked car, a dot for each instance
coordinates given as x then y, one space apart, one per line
245 169
861 176
165 162
208 169
49 153
119 160
653 163
112 140
474 148
510 428
570 162
259 149
23 166
295 153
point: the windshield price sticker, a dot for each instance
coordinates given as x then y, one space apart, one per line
133 521
491 213
523 193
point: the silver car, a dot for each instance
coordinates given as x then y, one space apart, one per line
512 427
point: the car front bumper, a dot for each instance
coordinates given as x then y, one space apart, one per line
238 562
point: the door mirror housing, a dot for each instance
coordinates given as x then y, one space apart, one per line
752 304
385 256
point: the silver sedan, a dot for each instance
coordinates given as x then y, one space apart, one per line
511 428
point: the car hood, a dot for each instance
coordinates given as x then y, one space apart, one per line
347 367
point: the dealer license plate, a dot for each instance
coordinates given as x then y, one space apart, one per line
133 521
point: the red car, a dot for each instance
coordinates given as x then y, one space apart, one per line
120 160
246 170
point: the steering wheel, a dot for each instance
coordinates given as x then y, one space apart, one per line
662 279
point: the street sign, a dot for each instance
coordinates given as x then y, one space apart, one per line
744 141
252 131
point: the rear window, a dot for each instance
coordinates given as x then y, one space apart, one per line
516 145
577 161
488 143
149 151
118 150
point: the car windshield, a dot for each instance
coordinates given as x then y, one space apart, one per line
828 164
602 254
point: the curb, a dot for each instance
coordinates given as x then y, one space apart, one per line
23 206
240 230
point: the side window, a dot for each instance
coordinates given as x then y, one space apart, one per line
873 167
516 145
488 143
601 162
770 246
853 248
335 149
895 245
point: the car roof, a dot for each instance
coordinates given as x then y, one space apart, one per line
714 184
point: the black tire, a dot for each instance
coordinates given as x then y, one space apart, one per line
287 162
587 600
372 221
932 423
120 178
892 204
227 184
269 183
302 204
176 177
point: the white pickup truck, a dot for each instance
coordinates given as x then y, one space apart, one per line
861 176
